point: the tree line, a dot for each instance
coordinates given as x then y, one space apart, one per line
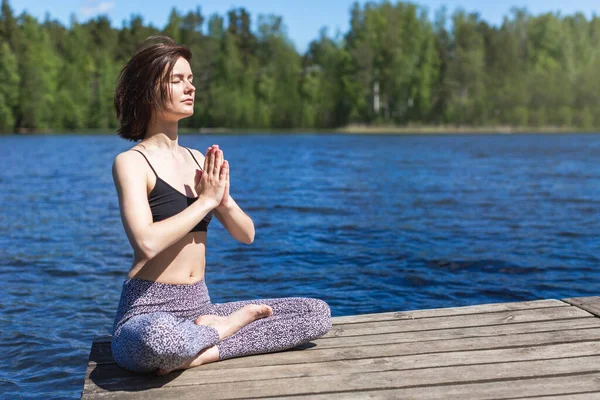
395 66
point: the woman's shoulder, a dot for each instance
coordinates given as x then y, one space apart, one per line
128 160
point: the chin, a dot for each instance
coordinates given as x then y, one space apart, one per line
186 113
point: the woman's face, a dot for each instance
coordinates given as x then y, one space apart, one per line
182 92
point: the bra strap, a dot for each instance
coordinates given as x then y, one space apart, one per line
147 162
194 158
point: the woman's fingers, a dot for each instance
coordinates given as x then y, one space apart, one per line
218 162
206 160
211 161
224 171
215 164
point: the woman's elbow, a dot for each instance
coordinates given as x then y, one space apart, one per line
146 250
247 239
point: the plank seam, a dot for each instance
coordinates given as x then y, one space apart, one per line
583 307
446 339
466 326
409 318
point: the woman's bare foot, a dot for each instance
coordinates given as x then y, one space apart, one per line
207 355
225 326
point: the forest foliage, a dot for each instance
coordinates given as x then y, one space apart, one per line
397 65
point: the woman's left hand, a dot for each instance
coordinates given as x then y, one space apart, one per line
225 199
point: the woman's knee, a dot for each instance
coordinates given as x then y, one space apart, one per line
151 341
324 312
319 315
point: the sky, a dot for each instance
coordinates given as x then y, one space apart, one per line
303 18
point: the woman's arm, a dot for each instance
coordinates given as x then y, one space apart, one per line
149 238
238 224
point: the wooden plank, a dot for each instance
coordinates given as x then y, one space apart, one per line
109 377
453 333
370 381
459 321
589 304
579 396
587 385
278 360
452 311
101 352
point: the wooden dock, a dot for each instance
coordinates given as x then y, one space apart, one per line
545 349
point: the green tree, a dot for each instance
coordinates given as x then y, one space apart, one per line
39 66
393 66
9 87
466 70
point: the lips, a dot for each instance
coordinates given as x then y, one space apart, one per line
189 101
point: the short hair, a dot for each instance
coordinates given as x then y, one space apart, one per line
143 84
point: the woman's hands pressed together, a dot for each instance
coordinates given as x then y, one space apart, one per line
213 184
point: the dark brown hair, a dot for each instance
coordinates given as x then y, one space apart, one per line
143 84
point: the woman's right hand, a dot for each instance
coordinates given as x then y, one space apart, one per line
211 186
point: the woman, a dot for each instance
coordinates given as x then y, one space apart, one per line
167 196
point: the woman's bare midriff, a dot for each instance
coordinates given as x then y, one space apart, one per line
182 263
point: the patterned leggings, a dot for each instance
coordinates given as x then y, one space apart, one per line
154 327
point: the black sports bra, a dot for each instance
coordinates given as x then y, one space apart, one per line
166 201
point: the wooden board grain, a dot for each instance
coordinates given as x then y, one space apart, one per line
577 387
589 304
531 349
369 381
446 312
112 378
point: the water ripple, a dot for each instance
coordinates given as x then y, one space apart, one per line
367 223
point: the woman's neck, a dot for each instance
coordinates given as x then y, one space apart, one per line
163 135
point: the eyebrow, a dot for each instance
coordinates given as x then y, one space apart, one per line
181 76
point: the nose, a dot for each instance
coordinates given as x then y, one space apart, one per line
190 88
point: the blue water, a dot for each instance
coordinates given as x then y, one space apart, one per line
367 223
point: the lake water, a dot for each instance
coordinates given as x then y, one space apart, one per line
368 223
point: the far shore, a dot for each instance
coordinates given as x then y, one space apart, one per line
351 129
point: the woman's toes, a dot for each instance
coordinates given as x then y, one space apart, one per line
266 311
260 310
